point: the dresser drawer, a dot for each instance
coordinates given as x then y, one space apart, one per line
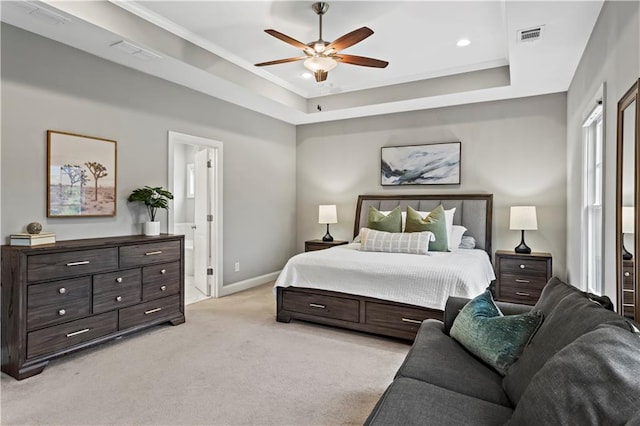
160 280
71 263
530 267
116 290
324 306
155 310
69 334
59 301
397 317
145 254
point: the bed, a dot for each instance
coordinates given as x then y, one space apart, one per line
388 293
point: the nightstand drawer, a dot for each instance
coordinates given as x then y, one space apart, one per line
313 245
529 267
398 317
523 281
627 278
325 306
519 294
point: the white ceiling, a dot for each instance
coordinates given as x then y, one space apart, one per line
211 46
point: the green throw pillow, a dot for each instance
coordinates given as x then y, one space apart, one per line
387 223
496 339
434 222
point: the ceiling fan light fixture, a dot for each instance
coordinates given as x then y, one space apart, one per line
320 63
319 46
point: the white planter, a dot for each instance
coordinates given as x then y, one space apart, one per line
152 228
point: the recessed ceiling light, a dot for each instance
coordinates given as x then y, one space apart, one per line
306 75
463 42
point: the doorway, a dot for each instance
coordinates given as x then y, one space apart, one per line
195 179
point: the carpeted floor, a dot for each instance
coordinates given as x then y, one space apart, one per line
231 363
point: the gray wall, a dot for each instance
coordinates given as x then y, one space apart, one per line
46 85
612 56
514 149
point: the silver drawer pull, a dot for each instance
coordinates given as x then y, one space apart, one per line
163 271
82 262
75 333
522 266
62 312
315 305
119 299
163 288
522 281
119 279
151 311
522 293
628 305
411 321
62 290
151 253
627 274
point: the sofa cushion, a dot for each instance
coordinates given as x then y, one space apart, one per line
496 339
413 402
566 318
438 359
592 381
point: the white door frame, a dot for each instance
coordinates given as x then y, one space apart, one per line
217 147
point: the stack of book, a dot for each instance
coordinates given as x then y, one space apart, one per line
32 239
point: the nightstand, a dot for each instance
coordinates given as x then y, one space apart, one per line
521 277
313 245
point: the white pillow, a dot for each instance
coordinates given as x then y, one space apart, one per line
395 242
455 238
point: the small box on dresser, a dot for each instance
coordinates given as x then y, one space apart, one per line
521 277
66 296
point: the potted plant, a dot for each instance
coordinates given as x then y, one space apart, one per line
154 199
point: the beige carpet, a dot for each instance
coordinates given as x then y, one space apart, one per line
231 363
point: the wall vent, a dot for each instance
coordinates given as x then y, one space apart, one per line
530 34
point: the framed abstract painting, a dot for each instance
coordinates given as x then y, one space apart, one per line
432 164
81 175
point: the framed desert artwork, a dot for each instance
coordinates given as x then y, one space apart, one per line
81 175
432 164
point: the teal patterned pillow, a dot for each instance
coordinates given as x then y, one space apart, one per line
493 337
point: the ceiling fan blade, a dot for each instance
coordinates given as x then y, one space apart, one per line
281 61
287 39
350 39
361 60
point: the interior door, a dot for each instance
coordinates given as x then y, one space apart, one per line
201 231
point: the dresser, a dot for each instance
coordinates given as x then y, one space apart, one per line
313 245
62 297
628 290
520 278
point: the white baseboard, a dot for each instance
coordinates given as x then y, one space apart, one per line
247 284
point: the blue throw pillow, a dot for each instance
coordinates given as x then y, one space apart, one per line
493 337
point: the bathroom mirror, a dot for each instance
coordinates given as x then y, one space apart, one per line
627 243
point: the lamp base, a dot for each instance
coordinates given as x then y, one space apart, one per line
625 254
327 237
523 248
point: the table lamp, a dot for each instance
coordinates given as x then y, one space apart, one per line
327 214
523 218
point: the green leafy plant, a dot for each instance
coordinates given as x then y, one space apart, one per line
153 198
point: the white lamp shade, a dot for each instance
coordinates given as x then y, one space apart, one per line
523 218
328 214
627 220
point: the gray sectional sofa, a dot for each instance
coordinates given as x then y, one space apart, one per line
581 367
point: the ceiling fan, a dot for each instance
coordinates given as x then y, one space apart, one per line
321 56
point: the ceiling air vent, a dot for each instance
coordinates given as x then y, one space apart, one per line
530 34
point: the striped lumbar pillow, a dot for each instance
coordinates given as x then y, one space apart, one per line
395 242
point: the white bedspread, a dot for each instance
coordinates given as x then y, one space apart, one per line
422 280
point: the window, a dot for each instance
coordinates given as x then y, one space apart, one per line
592 200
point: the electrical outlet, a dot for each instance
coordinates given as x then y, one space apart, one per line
237 266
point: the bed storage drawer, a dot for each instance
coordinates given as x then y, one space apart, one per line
324 306
398 317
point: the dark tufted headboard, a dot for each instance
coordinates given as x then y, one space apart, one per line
474 211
